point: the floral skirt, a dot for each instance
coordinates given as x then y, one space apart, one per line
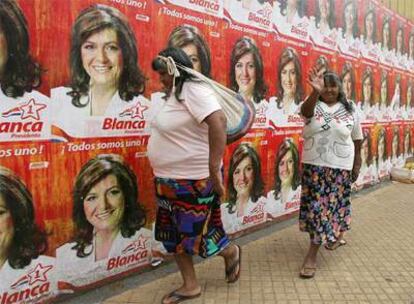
188 217
325 207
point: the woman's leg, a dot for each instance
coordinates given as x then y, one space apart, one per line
309 264
190 286
231 255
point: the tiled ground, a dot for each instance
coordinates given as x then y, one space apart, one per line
377 265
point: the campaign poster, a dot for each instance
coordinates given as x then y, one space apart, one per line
407 144
245 168
284 171
410 46
384 93
409 98
289 75
368 172
401 42
324 33
24 110
106 211
387 33
397 84
196 29
349 73
396 145
382 133
28 270
249 15
291 20
250 62
370 47
320 59
88 98
368 102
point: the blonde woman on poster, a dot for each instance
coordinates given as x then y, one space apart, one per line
246 77
106 83
290 20
245 188
285 196
109 236
383 161
284 109
368 172
21 106
395 105
22 244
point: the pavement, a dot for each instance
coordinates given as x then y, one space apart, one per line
376 265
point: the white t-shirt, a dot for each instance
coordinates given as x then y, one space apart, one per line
178 147
329 134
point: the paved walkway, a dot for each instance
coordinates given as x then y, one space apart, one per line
376 266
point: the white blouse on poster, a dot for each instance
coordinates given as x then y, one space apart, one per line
121 118
281 117
285 203
125 254
254 214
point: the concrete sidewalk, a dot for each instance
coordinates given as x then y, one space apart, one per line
376 266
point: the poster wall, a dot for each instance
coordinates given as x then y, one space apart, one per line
78 94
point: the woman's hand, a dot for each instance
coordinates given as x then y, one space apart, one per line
355 172
217 180
315 79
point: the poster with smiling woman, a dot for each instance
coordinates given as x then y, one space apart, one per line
101 84
245 167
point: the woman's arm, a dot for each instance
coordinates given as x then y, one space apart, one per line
217 137
316 81
357 160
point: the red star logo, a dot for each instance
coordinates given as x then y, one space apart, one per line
38 274
138 110
259 208
32 109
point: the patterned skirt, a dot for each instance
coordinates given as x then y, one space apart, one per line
325 207
188 217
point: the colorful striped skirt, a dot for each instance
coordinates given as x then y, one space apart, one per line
325 207
188 217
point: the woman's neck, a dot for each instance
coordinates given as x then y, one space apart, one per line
242 201
103 243
287 101
100 97
290 13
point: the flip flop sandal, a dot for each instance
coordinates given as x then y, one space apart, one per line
307 272
335 245
230 271
176 297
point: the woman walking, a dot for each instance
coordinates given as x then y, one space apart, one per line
185 150
331 162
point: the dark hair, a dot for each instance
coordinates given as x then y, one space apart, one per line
355 25
370 11
21 72
331 16
395 134
243 151
244 46
384 78
179 57
287 145
93 172
331 79
29 241
367 75
184 35
289 55
387 21
348 69
367 139
400 29
382 134
301 7
92 20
